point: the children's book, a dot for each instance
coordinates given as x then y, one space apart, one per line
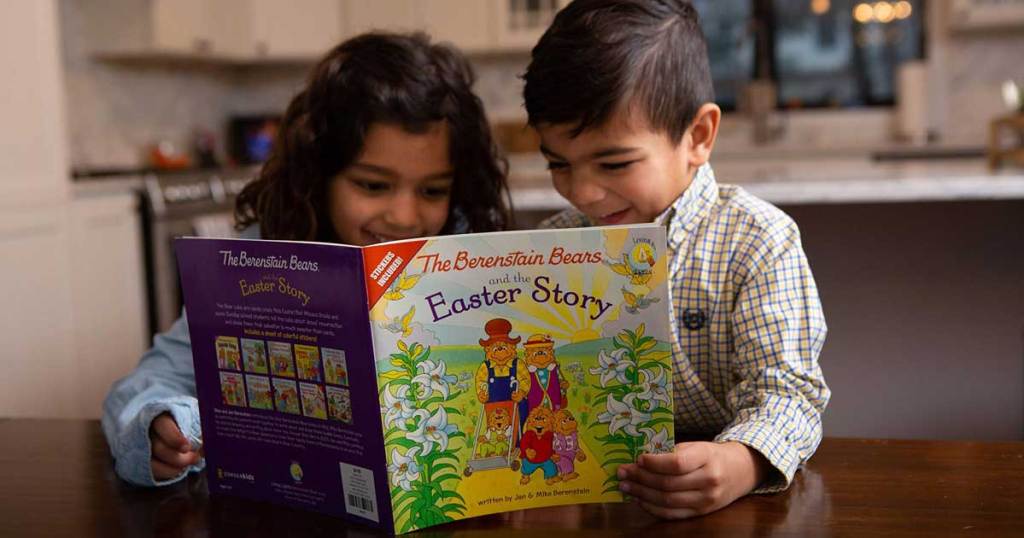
418 382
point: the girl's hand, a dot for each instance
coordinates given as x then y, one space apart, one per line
697 478
172 453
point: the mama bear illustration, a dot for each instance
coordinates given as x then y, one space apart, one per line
547 385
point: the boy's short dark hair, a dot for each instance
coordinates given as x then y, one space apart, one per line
598 54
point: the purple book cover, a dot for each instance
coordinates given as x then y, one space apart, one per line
285 375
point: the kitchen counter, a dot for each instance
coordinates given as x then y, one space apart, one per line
815 181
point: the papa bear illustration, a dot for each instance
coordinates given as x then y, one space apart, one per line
536 448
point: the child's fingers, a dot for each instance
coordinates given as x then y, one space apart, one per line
162 471
686 458
167 430
698 479
692 499
172 456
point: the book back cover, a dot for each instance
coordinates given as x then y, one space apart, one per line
285 375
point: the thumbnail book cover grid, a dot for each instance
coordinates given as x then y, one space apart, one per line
413 383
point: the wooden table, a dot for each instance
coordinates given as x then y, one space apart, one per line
56 479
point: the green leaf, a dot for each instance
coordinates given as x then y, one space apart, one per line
446 476
452 495
403 442
618 461
408 508
403 496
611 489
430 401
453 507
445 465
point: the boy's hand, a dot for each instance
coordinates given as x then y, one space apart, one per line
697 478
172 453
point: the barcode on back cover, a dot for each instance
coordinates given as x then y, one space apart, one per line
358 487
362 503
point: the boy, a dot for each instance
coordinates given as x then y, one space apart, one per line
620 92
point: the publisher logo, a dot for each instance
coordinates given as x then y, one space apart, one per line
222 475
296 471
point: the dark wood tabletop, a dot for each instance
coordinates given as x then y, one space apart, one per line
56 479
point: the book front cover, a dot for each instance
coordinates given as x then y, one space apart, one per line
519 369
285 375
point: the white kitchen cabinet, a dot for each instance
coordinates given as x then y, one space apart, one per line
159 27
33 153
388 15
70 275
107 290
41 376
467 25
293 30
74 317
512 26
229 31
35 318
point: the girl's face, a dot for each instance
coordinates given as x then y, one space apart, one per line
399 187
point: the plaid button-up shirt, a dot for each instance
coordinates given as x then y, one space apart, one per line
747 327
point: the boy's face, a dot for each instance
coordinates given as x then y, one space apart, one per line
399 187
622 172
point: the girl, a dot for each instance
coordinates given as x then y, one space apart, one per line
385 142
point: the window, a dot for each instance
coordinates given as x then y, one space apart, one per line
820 53
726 25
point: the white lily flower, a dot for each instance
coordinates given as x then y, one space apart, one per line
623 415
432 430
397 408
432 377
654 387
612 366
657 443
403 469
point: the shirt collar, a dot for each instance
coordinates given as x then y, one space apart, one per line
685 214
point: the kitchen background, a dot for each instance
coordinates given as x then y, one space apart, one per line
868 122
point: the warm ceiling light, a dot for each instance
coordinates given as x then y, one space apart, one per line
820 7
903 9
884 12
863 13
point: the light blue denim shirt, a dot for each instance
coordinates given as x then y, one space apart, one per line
163 382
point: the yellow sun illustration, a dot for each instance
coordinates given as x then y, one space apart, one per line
584 335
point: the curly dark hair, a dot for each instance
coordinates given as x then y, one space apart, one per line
402 79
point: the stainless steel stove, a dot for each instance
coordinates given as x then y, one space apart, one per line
176 205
